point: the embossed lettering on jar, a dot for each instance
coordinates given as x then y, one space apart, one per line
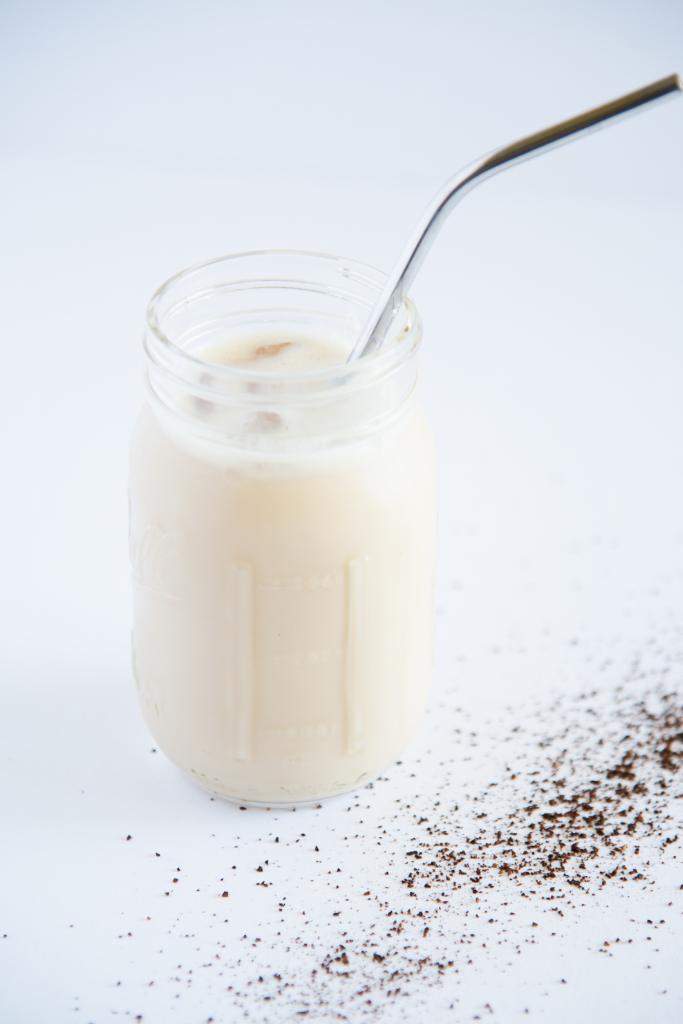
282 529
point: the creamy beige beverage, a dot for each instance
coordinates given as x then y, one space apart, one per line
283 589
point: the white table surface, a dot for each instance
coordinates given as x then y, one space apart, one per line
141 138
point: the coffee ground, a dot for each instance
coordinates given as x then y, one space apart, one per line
591 804
528 819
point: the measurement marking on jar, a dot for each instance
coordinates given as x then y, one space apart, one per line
244 658
314 581
355 580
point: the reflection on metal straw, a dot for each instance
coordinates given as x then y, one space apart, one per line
379 321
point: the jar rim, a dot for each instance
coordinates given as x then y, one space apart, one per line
172 357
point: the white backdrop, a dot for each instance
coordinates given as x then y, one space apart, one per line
138 138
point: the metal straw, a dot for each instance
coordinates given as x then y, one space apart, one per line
385 309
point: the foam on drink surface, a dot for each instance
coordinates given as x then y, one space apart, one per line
275 353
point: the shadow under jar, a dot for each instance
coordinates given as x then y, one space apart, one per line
282 534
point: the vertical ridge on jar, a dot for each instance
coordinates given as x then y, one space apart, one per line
355 586
243 646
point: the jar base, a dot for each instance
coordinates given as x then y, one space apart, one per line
288 802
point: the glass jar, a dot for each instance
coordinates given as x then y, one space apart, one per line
282 534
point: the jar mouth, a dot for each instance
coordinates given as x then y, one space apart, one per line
175 325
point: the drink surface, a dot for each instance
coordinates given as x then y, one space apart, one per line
275 353
283 609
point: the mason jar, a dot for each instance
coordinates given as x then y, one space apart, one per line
282 534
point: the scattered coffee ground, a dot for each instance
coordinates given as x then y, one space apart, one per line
592 804
577 817
579 800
